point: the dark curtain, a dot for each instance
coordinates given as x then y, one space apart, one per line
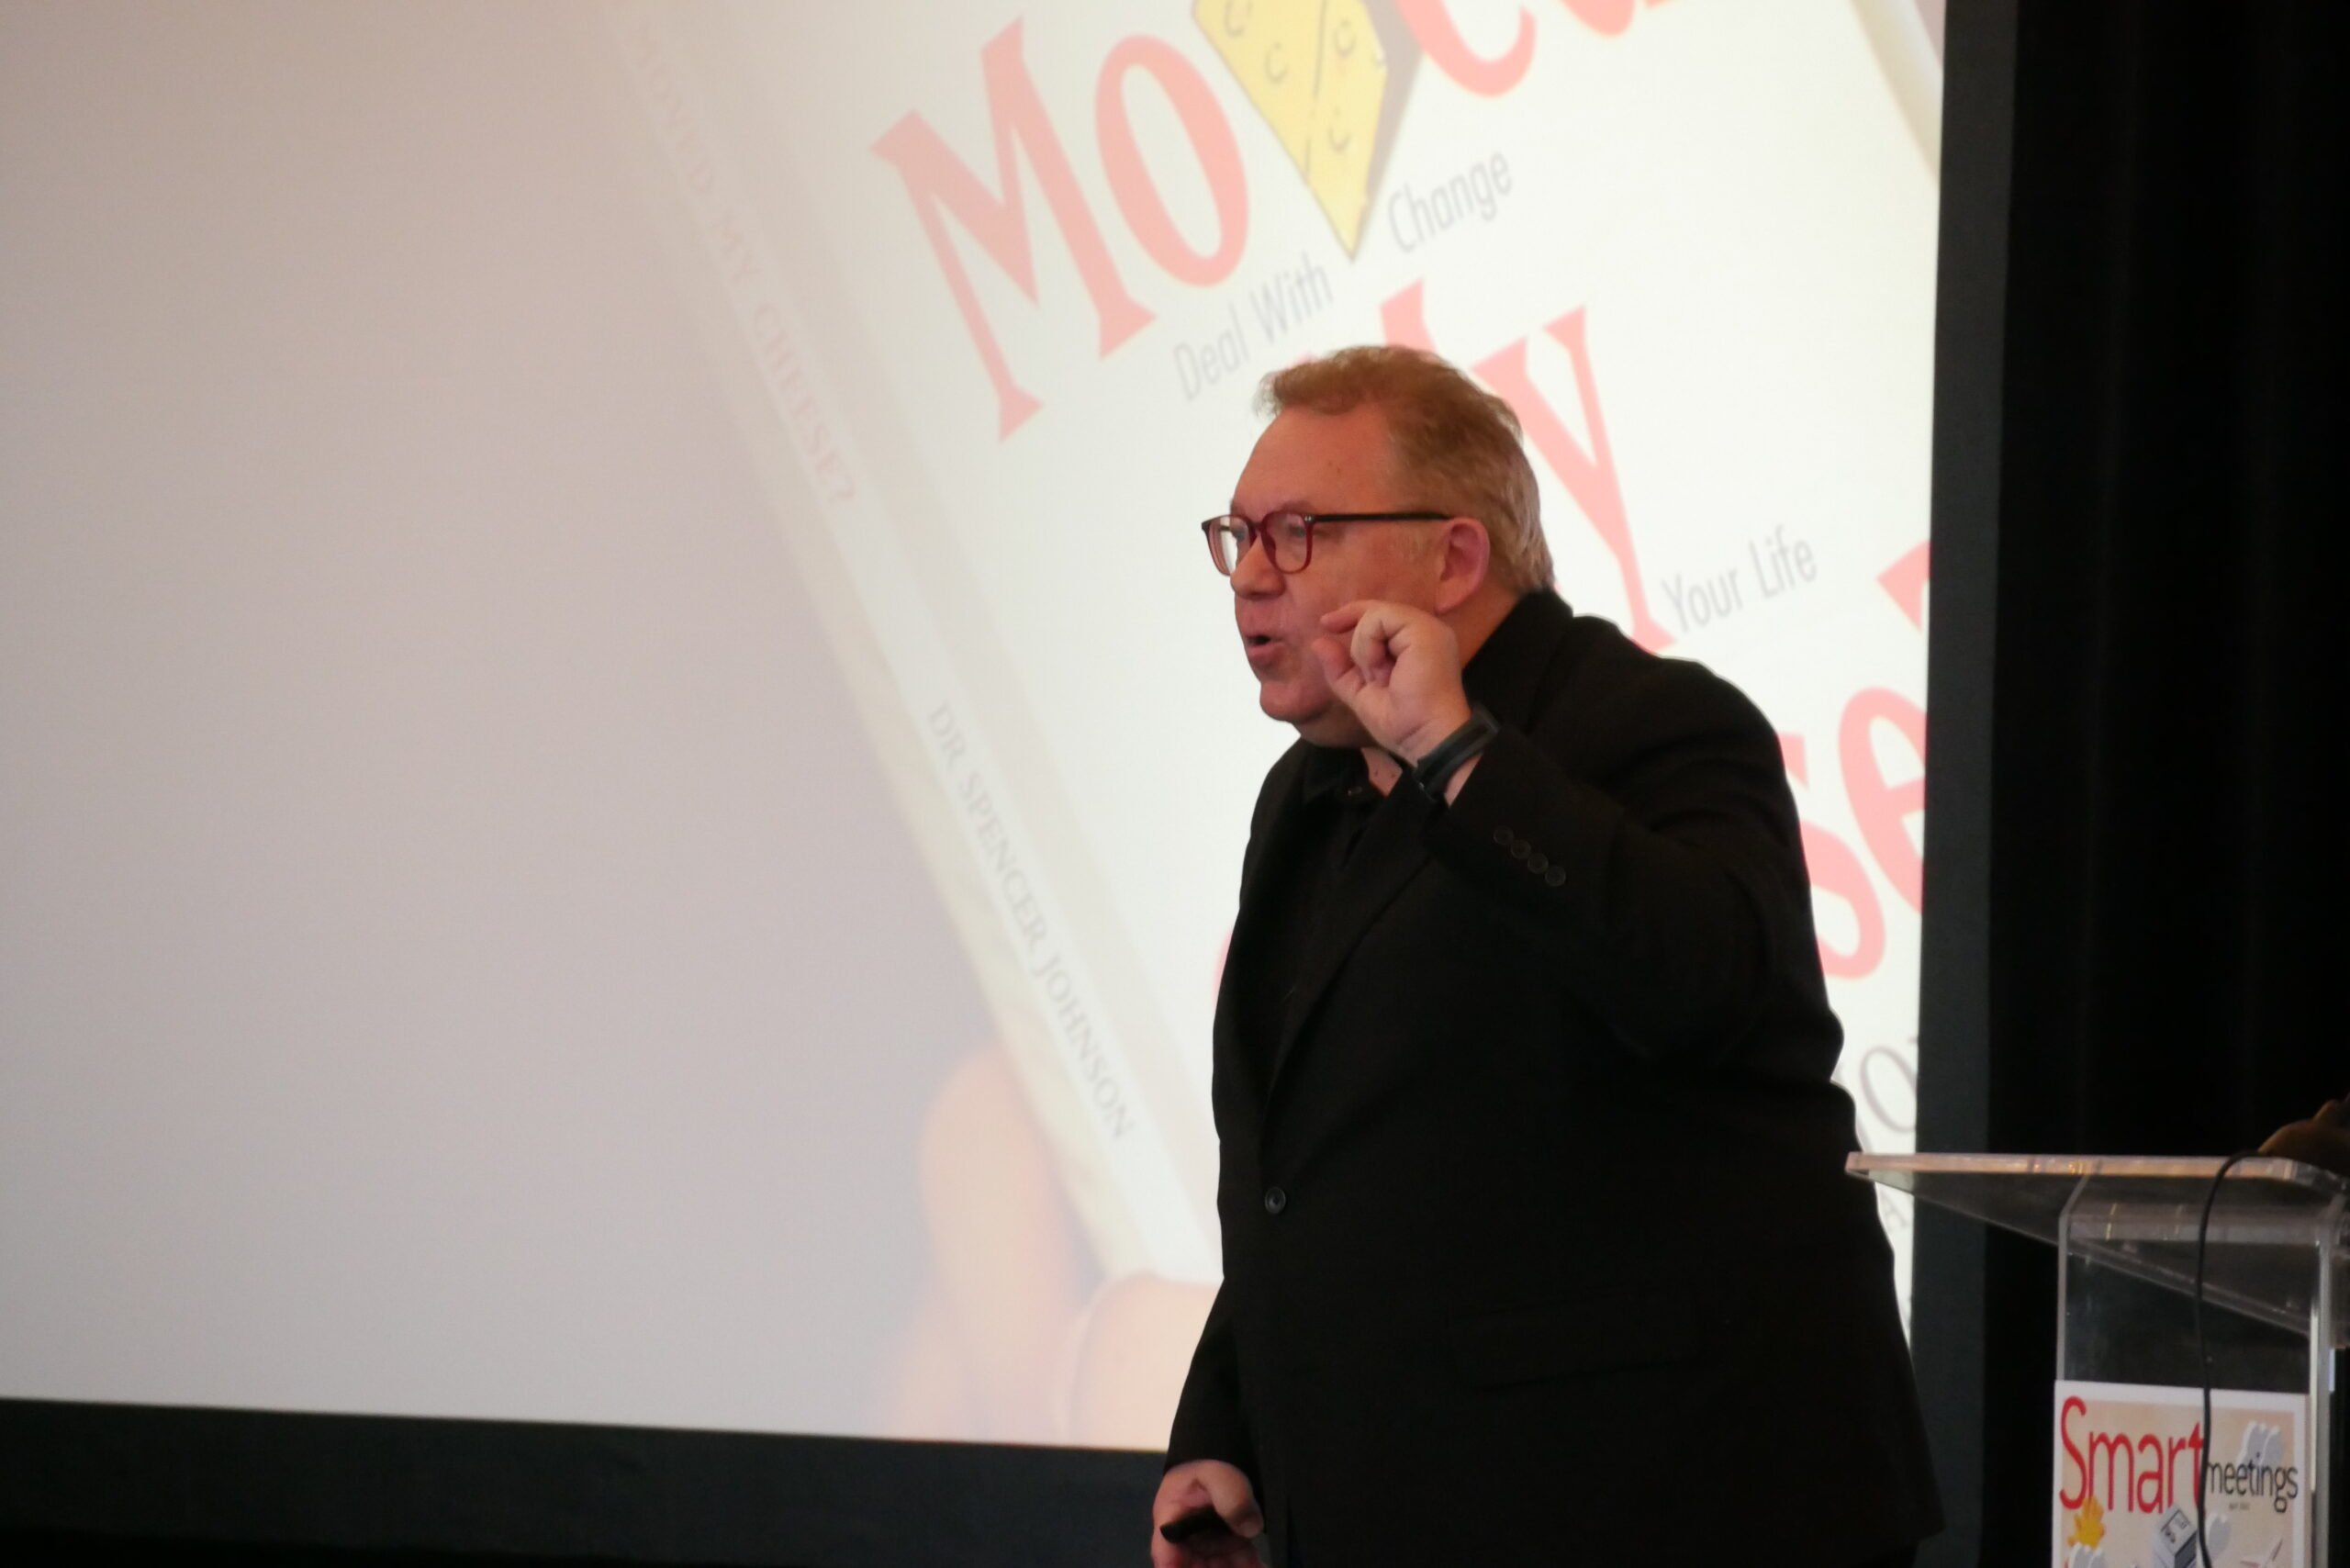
2167 947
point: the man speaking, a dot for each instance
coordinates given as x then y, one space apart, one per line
1537 1247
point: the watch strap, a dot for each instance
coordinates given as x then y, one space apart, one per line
1434 771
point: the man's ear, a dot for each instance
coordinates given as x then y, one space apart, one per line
1467 559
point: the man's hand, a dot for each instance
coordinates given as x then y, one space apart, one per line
1399 670
1206 1484
2323 1140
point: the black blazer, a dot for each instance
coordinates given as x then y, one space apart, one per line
1538 1246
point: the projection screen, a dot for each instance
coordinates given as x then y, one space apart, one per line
621 770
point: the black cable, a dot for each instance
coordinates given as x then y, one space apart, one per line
2202 1349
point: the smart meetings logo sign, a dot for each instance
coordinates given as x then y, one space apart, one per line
2127 1459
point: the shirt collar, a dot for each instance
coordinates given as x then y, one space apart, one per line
1332 769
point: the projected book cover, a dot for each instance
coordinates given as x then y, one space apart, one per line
995 286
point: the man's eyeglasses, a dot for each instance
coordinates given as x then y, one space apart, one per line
1288 536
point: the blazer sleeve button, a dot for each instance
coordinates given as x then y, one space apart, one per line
1556 876
1502 837
1275 1200
1537 863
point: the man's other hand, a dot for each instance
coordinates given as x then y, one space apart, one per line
2323 1140
1399 670
1205 1484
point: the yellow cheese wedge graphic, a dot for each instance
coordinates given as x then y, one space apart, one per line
1329 76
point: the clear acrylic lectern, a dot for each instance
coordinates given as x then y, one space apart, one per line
2128 1435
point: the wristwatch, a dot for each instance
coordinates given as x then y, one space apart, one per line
1434 771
